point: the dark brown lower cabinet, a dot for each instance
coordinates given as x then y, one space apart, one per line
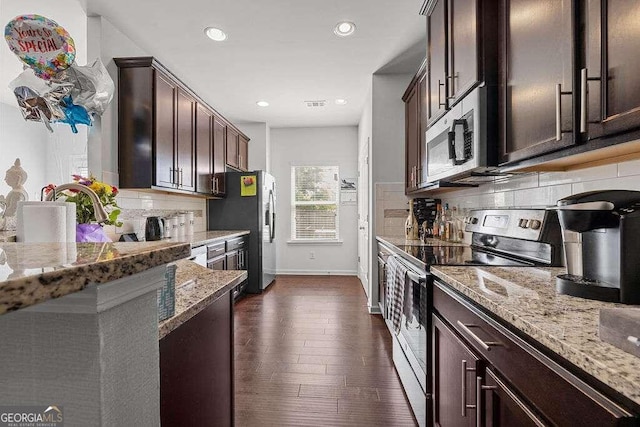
196 369
484 374
219 263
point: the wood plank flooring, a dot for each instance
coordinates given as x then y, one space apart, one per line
307 353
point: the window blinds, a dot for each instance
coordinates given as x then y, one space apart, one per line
314 211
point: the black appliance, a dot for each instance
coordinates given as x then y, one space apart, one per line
601 232
250 204
154 228
500 237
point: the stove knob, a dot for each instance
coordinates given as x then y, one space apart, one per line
535 224
474 221
523 223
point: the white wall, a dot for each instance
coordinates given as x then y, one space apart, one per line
259 146
384 122
314 147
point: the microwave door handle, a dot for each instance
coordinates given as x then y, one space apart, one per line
452 140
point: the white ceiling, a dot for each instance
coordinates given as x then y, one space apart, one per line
281 51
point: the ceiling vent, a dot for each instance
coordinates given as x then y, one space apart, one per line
315 104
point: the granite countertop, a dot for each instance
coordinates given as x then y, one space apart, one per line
206 237
7 236
196 288
568 326
31 273
401 241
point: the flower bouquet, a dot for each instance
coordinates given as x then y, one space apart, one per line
88 229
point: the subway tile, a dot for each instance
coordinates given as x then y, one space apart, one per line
631 167
542 196
517 183
580 175
622 183
129 203
147 204
504 199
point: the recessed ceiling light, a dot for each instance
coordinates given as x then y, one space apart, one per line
262 104
341 101
215 34
344 28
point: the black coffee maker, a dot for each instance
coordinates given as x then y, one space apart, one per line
601 236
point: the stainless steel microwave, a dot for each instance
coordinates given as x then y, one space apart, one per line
457 144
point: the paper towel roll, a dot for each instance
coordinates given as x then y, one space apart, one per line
70 219
44 223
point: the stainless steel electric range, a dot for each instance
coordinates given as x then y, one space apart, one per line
500 237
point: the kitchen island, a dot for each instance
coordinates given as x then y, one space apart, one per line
517 313
80 328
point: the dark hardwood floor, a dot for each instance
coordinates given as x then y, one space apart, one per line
307 353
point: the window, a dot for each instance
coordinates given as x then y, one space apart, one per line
314 202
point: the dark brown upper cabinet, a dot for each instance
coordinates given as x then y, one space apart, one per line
436 59
219 155
612 43
233 156
243 153
204 150
462 72
412 138
168 138
537 84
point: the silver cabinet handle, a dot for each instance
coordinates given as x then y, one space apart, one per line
172 175
559 93
486 345
584 101
440 104
479 389
181 178
464 405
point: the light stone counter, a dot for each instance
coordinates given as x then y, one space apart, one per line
196 288
31 273
401 241
7 236
526 298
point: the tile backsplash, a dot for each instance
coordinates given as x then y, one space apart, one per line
391 209
543 189
138 205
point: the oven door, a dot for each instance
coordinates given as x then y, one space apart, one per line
414 327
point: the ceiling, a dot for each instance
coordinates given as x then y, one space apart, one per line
280 51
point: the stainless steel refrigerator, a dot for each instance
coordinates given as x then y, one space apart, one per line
250 204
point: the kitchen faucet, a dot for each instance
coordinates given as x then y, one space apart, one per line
98 208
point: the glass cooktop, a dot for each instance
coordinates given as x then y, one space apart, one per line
459 255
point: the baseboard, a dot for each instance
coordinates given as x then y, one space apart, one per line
317 273
375 309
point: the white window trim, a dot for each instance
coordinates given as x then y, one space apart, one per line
306 241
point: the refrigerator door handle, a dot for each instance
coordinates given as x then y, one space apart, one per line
272 222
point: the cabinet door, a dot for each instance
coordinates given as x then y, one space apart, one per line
412 139
437 60
612 43
165 120
204 150
232 148
536 81
422 130
185 147
219 156
454 378
243 153
500 406
232 260
463 48
219 263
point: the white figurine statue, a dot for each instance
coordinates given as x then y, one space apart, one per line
15 178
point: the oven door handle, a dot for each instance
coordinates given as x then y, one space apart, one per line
416 277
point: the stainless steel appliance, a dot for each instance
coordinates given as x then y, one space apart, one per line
457 148
509 237
199 255
253 209
154 228
601 231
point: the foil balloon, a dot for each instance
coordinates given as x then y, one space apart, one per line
74 115
41 44
39 100
93 88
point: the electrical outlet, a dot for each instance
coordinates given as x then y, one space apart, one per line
312 255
